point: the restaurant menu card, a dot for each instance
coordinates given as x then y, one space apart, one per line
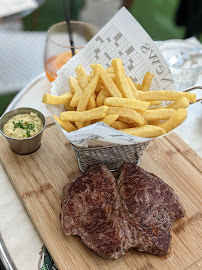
122 37
10 7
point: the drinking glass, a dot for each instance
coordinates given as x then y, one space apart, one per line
185 62
58 48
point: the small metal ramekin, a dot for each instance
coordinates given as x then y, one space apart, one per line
26 145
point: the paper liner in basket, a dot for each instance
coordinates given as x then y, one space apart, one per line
122 37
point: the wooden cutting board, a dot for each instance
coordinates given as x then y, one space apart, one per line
39 178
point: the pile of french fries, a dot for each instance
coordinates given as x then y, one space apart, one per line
109 96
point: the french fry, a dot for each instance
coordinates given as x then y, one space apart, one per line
110 70
121 103
157 108
154 102
65 124
155 122
68 107
73 124
132 85
82 76
79 124
165 95
91 75
86 123
130 115
146 83
127 103
56 100
109 119
121 80
98 88
130 122
137 85
119 125
132 125
146 131
95 121
84 116
87 93
112 76
179 116
161 114
91 103
180 103
101 97
82 124
108 82
76 90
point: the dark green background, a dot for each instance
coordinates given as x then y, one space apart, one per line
155 16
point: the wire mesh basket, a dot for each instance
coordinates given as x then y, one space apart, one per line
112 156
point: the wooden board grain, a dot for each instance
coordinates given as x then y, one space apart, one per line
39 178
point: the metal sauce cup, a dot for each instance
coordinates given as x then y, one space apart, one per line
26 145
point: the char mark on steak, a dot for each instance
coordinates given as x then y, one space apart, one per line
111 216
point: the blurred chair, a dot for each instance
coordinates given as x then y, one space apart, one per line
21 53
99 12
21 58
189 14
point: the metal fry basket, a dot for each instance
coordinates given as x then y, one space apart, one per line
112 156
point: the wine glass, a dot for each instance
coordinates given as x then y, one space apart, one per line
58 49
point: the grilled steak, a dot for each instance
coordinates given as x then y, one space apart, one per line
90 210
111 216
151 206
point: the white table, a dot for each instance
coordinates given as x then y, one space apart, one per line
19 235
22 240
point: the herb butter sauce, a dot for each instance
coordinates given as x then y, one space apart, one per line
23 126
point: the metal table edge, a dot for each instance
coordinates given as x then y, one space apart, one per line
5 256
